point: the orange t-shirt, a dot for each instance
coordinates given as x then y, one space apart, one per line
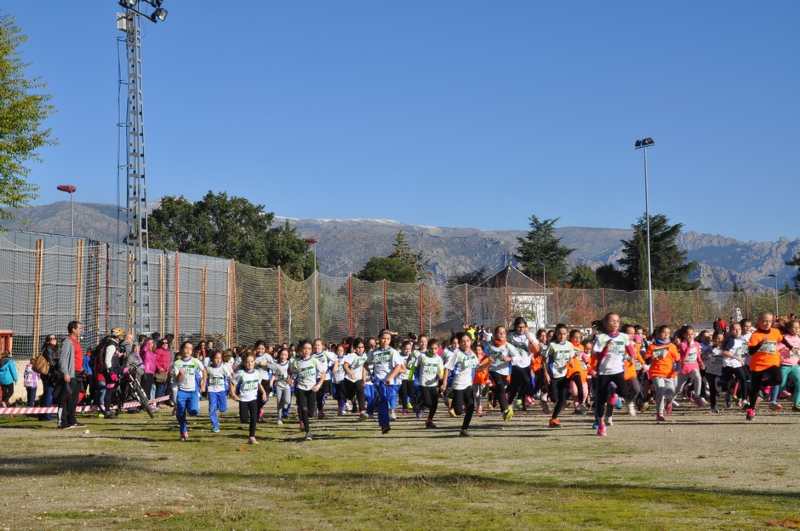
631 362
482 375
662 360
769 354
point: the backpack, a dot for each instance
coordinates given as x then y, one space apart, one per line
40 365
99 355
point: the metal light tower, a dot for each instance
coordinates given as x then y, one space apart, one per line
777 309
70 189
138 315
315 278
643 144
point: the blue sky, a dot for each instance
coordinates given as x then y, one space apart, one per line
457 113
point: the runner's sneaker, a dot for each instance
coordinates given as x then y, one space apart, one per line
631 409
554 423
252 440
601 430
214 430
385 430
774 406
508 414
308 437
545 407
430 425
751 414
184 436
280 422
609 421
463 433
660 418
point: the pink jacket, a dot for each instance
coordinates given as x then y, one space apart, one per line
149 360
787 356
164 359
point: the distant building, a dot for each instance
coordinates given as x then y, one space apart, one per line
521 295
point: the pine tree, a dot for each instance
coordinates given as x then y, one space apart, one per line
540 250
583 277
670 270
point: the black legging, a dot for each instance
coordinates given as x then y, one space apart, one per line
322 394
500 389
354 391
761 379
407 395
429 398
604 391
576 379
713 382
464 404
248 412
520 383
306 401
730 375
559 391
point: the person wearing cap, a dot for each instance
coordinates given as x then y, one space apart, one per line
103 362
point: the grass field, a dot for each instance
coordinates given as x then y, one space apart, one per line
698 471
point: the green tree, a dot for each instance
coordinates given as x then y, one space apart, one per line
402 251
670 270
540 249
22 111
389 268
229 227
610 277
583 277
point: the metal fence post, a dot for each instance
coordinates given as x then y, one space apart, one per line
350 331
385 305
37 293
162 292
177 320
280 308
78 277
466 304
203 290
108 288
421 308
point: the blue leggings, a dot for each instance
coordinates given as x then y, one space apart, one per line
793 372
217 401
383 397
186 402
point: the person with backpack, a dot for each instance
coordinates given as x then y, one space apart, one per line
102 363
8 377
46 365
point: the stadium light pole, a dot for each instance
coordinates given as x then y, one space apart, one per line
69 189
643 144
315 278
777 309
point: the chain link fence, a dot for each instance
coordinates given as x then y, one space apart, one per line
47 281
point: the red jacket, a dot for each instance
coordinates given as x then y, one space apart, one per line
164 359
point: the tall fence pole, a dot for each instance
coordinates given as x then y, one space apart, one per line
229 308
421 308
37 292
108 288
385 305
177 319
350 331
603 299
280 307
96 309
203 290
78 277
162 293
466 304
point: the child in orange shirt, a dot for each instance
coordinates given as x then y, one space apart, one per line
481 379
577 372
633 364
765 362
662 354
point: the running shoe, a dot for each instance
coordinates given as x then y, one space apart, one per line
430 425
184 436
308 437
393 416
595 424
715 410
508 414
215 430
751 414
660 418
280 422
545 407
363 416
554 423
612 400
631 409
601 430
252 440
385 430
609 421
463 433
774 406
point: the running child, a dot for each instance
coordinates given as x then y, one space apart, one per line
217 386
662 355
557 357
387 364
246 389
282 384
185 371
309 374
691 364
329 361
790 356
502 354
430 368
765 362
354 369
713 360
733 370
609 350
462 363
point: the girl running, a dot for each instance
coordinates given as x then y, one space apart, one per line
481 381
765 362
185 371
609 350
662 355
308 374
790 355
430 368
354 376
329 361
282 384
338 381
558 355
577 373
502 354
407 396
387 364
217 389
712 360
246 390
633 364
733 370
526 346
691 364
462 363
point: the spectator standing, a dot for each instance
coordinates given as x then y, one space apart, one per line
8 377
164 359
53 376
70 363
31 380
149 360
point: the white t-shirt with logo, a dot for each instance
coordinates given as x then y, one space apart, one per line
613 361
558 356
307 372
430 369
218 378
247 383
522 358
464 365
384 361
356 364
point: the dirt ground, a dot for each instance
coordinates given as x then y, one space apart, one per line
698 469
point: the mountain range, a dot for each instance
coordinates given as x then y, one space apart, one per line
346 244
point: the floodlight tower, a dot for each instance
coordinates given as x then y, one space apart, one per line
138 314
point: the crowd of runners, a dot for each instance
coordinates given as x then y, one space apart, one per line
614 366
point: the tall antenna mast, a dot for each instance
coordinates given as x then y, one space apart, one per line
138 314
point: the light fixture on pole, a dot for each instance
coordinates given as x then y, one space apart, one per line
315 279
70 189
643 144
777 310
544 273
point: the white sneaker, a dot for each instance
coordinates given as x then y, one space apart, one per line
609 421
631 409
280 422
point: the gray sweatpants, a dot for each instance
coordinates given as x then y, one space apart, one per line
283 397
665 392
